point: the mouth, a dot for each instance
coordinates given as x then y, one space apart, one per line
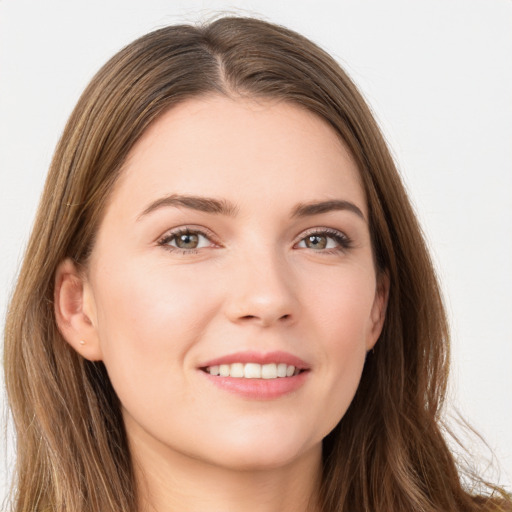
253 370
257 376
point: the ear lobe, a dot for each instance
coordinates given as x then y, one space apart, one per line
75 310
378 313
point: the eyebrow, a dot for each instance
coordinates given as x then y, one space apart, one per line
202 204
317 207
224 207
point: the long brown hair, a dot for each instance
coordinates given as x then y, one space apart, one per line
388 452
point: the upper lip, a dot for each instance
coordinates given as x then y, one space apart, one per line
260 358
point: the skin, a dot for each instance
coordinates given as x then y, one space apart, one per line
154 315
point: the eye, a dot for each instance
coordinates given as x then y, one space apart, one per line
185 239
325 240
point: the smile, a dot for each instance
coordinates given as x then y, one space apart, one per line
257 376
253 370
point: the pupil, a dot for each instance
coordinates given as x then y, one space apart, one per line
187 241
316 242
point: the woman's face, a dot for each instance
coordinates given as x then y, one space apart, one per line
234 251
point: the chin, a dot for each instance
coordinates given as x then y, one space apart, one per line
257 453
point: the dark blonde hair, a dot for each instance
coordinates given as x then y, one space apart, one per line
388 452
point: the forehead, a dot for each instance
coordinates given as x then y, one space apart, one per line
241 149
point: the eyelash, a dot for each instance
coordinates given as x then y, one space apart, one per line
342 240
168 237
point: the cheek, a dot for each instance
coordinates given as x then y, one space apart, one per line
342 305
343 323
148 322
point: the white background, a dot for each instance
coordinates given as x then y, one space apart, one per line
438 75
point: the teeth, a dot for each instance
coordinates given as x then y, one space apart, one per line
236 370
253 370
269 371
281 370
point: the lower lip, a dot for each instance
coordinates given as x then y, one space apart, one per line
259 389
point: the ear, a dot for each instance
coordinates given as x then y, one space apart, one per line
378 312
75 310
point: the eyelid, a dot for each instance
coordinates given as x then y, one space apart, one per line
343 241
198 230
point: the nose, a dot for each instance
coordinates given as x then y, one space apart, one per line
261 291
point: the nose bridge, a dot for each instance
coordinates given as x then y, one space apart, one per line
262 286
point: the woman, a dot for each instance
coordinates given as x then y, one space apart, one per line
227 302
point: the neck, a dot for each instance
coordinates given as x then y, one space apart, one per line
172 482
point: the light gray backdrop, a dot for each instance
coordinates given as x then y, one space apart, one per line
438 75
